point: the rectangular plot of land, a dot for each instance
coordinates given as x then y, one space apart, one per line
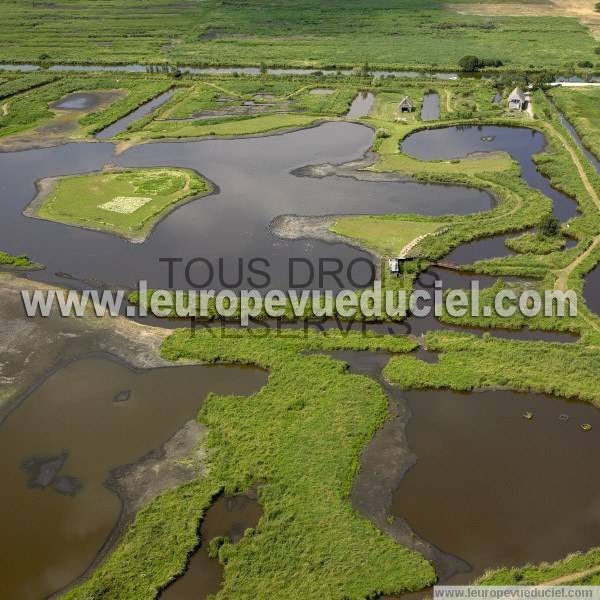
125 205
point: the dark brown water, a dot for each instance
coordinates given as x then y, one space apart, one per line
229 517
59 447
468 474
496 489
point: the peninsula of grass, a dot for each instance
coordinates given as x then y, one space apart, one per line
387 236
299 440
467 363
536 243
16 262
222 127
127 202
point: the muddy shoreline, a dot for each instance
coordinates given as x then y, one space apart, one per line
384 462
177 461
37 342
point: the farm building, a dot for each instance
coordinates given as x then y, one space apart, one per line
517 100
406 105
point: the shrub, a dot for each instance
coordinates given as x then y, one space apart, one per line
549 225
469 63
474 63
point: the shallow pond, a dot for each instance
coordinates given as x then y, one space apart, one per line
480 485
60 445
361 105
521 143
591 290
229 517
84 100
254 186
496 489
431 107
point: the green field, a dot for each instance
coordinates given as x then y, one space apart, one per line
581 106
230 106
128 203
230 127
385 33
387 237
27 102
235 94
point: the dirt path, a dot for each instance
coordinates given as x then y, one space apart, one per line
572 577
583 10
564 274
448 95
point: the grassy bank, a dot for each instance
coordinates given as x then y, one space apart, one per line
467 363
18 262
128 202
580 106
581 568
388 238
299 439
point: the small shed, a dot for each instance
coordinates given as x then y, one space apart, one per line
396 265
517 100
406 105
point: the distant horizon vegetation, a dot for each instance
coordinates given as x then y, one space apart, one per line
386 34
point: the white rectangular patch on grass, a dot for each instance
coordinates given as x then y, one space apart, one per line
125 205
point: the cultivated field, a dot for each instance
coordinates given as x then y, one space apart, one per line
384 33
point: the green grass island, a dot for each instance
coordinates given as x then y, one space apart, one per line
125 202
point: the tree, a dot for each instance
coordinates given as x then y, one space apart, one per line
469 63
550 226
